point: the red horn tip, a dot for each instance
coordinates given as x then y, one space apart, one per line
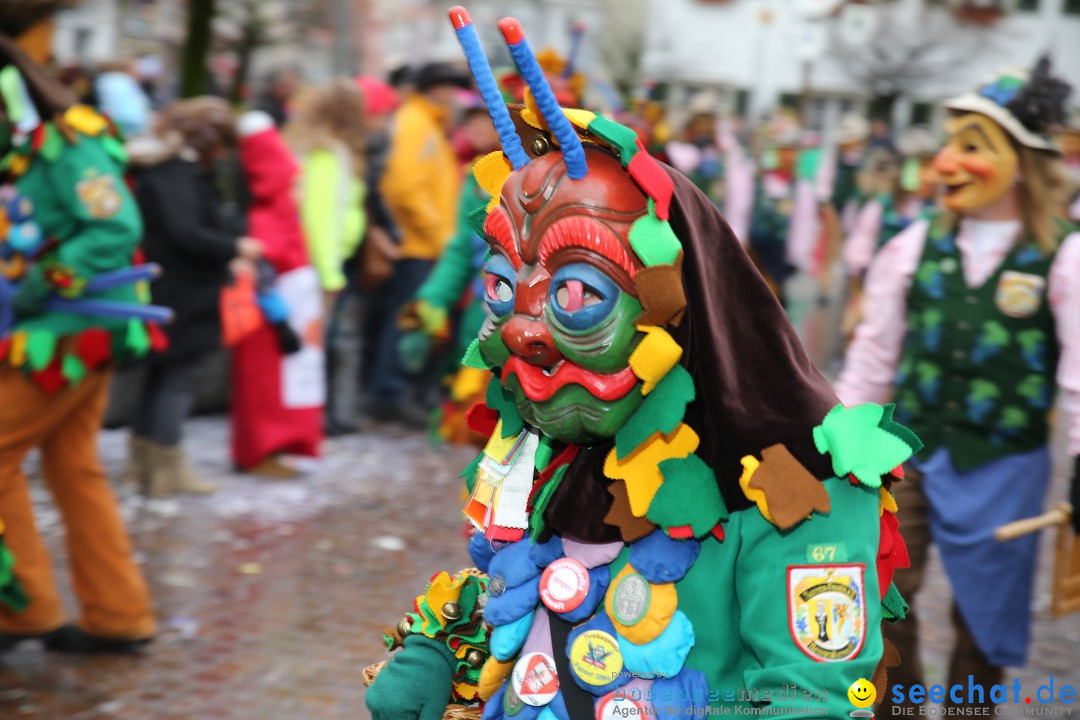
459 17
511 30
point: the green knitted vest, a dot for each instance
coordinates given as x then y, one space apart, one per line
977 370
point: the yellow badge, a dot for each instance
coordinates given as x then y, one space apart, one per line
595 658
1019 294
827 610
100 196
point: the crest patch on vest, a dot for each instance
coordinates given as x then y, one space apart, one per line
1019 294
827 610
99 196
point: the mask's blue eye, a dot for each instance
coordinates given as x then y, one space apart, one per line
582 296
499 285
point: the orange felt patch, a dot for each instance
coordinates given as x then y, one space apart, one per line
660 290
791 492
890 658
631 527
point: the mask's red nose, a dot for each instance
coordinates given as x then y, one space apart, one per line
531 340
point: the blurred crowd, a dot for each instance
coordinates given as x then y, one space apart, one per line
359 192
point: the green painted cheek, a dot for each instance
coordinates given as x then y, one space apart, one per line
605 349
492 348
573 415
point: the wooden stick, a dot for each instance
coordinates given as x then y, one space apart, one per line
1058 516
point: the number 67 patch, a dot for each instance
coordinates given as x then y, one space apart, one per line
827 610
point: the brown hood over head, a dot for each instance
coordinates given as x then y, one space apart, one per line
755 384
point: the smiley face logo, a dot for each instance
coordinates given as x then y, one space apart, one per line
862 693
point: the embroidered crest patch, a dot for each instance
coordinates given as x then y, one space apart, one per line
827 610
99 196
1019 294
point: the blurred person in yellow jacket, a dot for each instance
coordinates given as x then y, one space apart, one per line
421 186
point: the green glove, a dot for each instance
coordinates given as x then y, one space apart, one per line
416 684
413 349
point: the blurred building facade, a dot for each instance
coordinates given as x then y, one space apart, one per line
760 54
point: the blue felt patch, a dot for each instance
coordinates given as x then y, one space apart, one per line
493 709
513 565
662 559
481 551
514 603
546 553
599 579
507 640
665 655
682 694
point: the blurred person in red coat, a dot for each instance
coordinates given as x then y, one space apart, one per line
278 388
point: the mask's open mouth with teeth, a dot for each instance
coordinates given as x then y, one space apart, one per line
551 370
539 383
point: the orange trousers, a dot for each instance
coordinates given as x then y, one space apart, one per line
112 595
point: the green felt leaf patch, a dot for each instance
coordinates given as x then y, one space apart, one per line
688 496
662 409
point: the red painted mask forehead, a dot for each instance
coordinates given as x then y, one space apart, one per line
543 211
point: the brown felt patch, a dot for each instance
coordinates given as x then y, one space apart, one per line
791 492
660 291
630 527
890 658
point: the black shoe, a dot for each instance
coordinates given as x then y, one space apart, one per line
410 416
337 428
10 641
70 639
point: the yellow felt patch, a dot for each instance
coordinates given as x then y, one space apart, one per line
1 526
86 120
888 502
579 117
17 355
647 607
469 382
466 691
639 468
654 356
19 165
531 114
491 172
443 589
492 676
750 465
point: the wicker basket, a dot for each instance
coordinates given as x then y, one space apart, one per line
453 712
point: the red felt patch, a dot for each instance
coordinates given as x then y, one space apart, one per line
482 419
892 551
50 379
681 532
563 458
898 472
495 533
718 531
656 183
159 341
94 347
5 348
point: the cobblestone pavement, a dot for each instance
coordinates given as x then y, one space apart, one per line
272 594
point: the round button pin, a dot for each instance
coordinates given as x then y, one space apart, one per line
631 600
564 585
534 679
617 705
595 658
512 704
